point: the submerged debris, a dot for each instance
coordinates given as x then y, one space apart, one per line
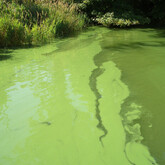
46 122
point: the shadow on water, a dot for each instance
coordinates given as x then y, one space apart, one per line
135 45
160 33
5 54
88 36
4 57
157 32
71 43
119 39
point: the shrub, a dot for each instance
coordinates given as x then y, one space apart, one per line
28 35
11 32
41 34
109 20
28 21
66 19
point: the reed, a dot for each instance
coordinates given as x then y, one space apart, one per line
38 21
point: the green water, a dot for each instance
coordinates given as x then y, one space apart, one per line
94 99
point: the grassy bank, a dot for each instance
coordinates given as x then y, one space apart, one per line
27 22
33 22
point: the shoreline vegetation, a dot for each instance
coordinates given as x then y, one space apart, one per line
32 22
35 22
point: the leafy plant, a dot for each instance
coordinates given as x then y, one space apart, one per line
11 32
109 20
29 22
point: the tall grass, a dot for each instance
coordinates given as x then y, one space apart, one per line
12 32
33 22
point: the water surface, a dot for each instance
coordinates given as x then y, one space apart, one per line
94 99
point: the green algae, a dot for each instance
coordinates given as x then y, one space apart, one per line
76 101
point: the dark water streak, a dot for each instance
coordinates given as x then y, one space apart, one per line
93 85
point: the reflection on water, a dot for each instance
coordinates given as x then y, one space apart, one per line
93 99
77 103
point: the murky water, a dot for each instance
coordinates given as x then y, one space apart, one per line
94 99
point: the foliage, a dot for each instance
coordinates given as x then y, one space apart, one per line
40 21
109 20
41 34
144 12
11 32
65 19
